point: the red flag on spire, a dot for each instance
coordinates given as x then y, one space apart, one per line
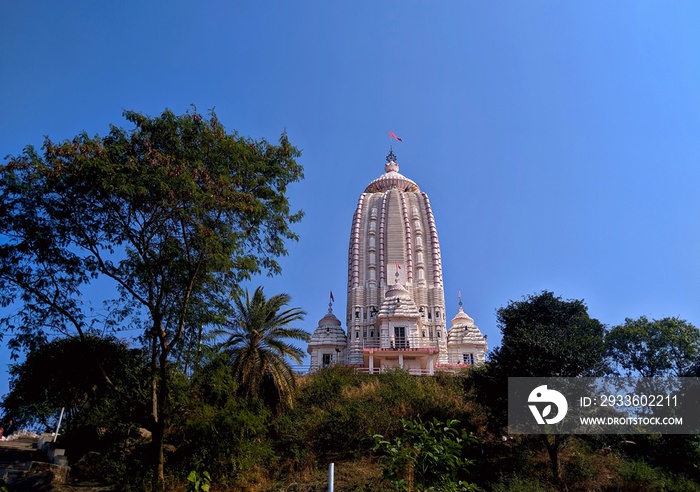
391 134
332 298
398 267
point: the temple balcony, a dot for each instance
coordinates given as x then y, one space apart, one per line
399 343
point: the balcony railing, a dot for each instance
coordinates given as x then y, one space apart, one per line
399 343
380 370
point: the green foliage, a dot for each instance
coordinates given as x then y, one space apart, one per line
219 432
213 384
652 348
230 441
517 484
558 337
543 335
175 212
198 482
72 373
638 475
426 456
128 465
257 348
676 453
324 388
337 408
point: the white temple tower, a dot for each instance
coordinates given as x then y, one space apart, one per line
395 300
328 343
465 343
393 231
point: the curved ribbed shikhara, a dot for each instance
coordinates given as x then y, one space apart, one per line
393 238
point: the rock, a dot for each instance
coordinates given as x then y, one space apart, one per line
89 467
145 434
41 477
38 482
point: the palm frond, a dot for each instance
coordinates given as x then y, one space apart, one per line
255 341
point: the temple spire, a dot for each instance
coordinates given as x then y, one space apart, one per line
391 165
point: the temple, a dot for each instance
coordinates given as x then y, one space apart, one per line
396 315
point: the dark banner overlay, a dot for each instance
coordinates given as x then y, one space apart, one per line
603 405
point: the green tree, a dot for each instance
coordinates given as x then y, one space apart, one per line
257 347
220 432
64 374
427 456
543 336
173 213
651 348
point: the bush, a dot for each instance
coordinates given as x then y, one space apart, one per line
338 408
427 455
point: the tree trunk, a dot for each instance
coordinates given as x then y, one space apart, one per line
157 424
158 458
553 451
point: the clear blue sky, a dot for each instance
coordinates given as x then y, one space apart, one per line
558 141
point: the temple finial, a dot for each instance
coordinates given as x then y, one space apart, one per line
391 166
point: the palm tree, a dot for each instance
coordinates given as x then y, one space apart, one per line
257 348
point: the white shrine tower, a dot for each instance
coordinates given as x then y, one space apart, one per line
395 300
